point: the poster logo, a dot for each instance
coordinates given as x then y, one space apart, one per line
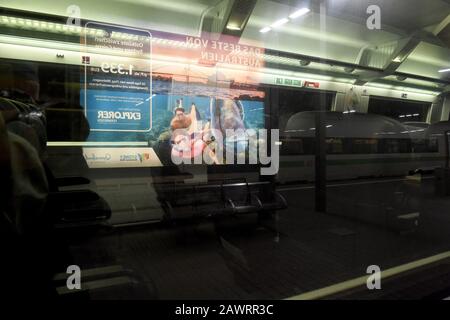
143 157
86 60
108 157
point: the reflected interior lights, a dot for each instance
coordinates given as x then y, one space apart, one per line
292 16
45 26
409 115
233 27
77 30
444 70
279 23
299 13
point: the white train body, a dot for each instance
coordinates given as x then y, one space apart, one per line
359 145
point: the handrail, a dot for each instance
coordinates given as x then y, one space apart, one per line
447 151
217 186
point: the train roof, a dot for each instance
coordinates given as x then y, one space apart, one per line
416 129
439 128
418 124
348 124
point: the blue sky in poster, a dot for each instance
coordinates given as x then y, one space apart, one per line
163 104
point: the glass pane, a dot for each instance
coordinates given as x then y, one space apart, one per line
253 149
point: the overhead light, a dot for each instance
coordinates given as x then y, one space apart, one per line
398 59
444 70
233 27
299 13
279 23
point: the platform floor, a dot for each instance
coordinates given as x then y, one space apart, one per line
239 259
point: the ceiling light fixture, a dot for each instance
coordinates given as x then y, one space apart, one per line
299 13
233 27
444 70
265 29
279 23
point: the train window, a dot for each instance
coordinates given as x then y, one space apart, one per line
425 145
195 149
291 146
395 146
420 145
391 146
297 146
404 145
364 146
292 101
400 110
433 145
335 146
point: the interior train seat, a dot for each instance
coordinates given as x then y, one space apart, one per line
19 247
219 198
64 209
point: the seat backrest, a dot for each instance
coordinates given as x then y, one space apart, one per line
236 190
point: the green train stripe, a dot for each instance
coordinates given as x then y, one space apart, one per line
339 162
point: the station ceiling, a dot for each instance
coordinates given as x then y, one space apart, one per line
414 38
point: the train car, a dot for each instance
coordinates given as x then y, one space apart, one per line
358 145
438 136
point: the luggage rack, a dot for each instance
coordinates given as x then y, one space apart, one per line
219 198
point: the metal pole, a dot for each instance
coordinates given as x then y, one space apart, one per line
447 151
320 148
321 161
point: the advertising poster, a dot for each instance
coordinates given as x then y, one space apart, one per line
179 104
130 101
